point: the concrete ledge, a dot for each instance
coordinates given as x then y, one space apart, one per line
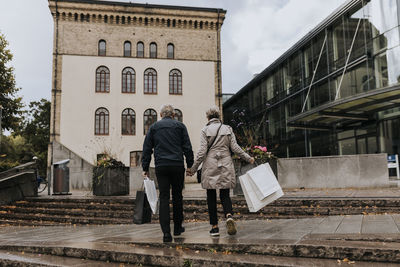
350 171
18 186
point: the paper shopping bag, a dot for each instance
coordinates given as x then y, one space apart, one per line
151 193
263 180
142 212
253 202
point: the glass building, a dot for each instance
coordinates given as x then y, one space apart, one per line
336 91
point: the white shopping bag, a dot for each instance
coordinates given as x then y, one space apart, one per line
151 193
263 180
253 202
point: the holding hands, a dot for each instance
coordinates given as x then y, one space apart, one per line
252 160
189 172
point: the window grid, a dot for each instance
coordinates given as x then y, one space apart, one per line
128 80
175 82
101 121
127 49
102 48
170 51
150 81
140 49
153 50
102 79
178 115
128 122
149 117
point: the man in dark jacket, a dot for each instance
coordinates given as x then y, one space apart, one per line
170 141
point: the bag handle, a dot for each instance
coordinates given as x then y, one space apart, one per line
145 178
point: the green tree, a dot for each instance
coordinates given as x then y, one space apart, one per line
14 152
11 103
36 132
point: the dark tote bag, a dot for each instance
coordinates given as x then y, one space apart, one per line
142 213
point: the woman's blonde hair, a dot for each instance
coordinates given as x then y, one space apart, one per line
213 112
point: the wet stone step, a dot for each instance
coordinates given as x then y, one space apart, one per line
22 259
64 219
71 205
70 212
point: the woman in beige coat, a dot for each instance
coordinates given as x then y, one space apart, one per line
218 171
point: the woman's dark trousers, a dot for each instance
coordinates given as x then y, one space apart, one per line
212 203
170 177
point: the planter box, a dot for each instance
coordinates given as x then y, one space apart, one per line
111 181
241 167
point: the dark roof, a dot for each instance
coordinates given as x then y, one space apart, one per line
114 3
343 9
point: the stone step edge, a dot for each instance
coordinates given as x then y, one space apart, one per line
30 259
281 202
333 251
149 256
178 253
56 218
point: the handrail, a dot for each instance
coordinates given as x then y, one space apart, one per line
16 169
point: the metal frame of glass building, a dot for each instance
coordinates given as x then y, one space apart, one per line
336 91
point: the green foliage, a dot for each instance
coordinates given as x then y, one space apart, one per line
36 131
13 152
12 105
30 136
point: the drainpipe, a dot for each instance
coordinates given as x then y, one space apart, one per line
219 92
53 133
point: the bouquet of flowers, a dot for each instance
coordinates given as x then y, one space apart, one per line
260 154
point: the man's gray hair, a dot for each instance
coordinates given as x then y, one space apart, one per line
167 110
213 112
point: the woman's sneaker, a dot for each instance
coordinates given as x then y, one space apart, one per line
214 231
230 226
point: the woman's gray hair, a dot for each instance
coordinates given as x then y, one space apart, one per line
213 112
167 110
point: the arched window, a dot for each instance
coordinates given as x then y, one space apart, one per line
150 81
153 50
102 79
175 82
127 49
128 123
178 115
170 51
101 121
140 49
102 48
149 117
128 80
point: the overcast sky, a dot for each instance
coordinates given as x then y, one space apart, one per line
254 34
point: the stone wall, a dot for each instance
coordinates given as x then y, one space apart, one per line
80 171
349 171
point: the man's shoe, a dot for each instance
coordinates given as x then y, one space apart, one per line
167 237
179 230
230 226
214 231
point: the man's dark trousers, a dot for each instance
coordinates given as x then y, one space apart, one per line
167 177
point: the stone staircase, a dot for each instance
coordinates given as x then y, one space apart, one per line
43 211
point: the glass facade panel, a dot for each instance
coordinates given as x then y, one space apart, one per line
293 76
347 147
366 37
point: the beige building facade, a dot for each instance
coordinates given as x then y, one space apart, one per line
116 63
